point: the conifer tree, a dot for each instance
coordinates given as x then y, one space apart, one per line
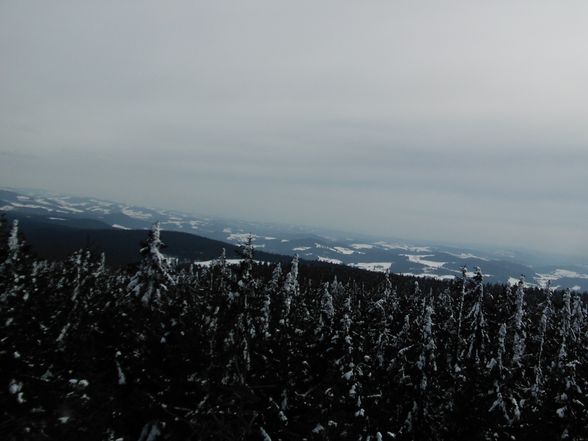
153 278
543 335
519 326
478 337
424 415
459 340
569 397
15 268
326 314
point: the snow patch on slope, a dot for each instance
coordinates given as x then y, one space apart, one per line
395 246
19 205
361 246
542 279
378 267
343 250
338 249
136 214
467 256
430 276
420 259
241 237
208 263
329 260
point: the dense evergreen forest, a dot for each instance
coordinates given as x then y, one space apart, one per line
164 351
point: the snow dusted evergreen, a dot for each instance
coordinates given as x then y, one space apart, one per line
152 278
281 352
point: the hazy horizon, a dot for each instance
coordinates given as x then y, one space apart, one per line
537 256
462 124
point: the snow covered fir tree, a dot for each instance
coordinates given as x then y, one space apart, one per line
174 351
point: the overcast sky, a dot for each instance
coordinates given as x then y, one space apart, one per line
461 121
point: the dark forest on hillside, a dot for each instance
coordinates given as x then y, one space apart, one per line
264 352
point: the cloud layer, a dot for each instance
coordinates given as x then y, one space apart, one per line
463 123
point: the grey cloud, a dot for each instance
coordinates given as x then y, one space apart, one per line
454 122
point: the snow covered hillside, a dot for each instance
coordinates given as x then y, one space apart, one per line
361 251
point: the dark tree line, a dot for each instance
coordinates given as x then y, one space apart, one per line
265 352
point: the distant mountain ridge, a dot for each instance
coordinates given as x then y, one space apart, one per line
109 219
121 247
